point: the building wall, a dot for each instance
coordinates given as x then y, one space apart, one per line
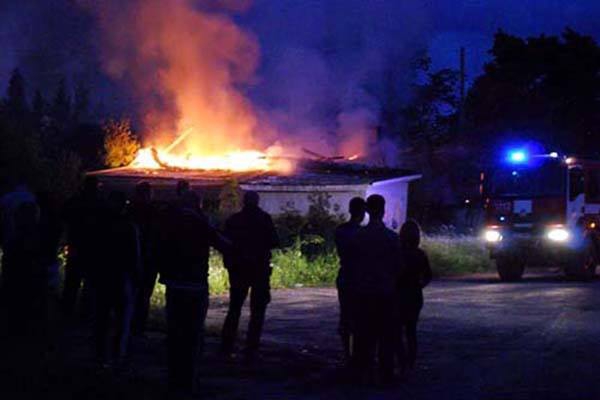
275 200
396 201
300 199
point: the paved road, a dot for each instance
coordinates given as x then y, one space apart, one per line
480 339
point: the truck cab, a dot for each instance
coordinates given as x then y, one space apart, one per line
543 210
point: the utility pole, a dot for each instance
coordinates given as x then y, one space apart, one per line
463 79
463 76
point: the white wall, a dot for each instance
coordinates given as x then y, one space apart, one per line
396 201
275 200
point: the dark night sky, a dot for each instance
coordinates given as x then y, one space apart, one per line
49 37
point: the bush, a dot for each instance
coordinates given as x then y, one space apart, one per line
120 144
315 231
294 268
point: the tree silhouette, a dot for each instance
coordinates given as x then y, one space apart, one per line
430 117
545 88
61 106
16 98
38 107
81 103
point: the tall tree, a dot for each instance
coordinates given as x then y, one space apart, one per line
430 122
546 88
430 116
16 98
81 103
61 105
38 106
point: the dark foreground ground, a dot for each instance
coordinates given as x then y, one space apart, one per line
480 339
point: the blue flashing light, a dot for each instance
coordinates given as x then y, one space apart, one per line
517 156
554 154
515 173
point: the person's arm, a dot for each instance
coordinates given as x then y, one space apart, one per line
274 238
136 254
427 273
217 240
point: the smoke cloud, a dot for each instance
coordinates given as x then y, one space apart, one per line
309 73
185 61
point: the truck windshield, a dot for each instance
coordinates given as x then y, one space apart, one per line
545 180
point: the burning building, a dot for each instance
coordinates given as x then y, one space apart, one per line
188 66
335 182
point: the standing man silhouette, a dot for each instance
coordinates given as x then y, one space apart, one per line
249 265
374 285
82 215
347 248
186 279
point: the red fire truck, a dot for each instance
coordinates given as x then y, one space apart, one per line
543 210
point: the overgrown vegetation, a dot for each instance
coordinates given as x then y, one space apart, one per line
456 255
293 268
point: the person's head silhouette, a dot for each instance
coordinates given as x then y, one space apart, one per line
143 192
376 207
357 209
91 186
117 201
190 201
251 199
410 235
183 187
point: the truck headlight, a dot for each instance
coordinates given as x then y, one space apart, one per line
492 235
558 234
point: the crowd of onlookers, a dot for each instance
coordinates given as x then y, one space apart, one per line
380 284
116 248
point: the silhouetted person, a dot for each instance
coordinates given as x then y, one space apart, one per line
24 290
249 266
82 215
347 248
24 279
416 274
17 195
50 234
186 279
144 215
373 288
114 278
181 188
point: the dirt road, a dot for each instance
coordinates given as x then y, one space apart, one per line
480 339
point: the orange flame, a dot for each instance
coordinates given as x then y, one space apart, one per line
186 64
236 161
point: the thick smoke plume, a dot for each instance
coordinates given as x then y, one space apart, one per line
185 61
188 62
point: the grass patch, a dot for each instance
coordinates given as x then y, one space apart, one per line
449 256
456 255
292 267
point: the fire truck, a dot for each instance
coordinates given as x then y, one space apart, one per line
542 210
